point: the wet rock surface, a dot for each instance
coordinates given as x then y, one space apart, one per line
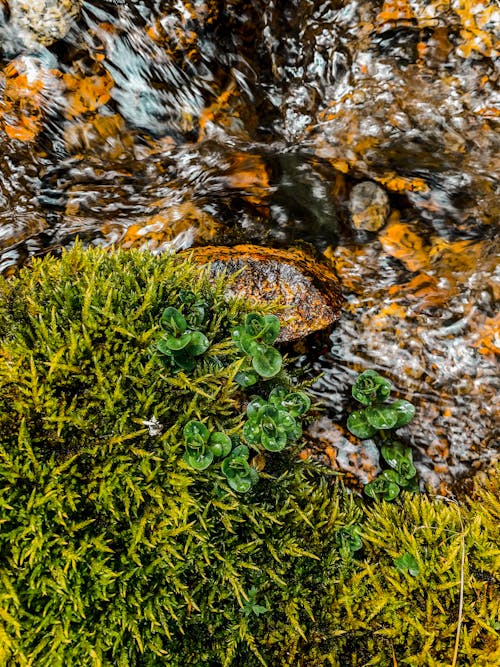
369 206
40 22
307 289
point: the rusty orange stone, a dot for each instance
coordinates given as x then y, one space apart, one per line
307 288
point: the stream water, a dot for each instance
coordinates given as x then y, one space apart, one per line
171 124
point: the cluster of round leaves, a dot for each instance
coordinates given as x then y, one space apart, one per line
272 424
400 475
255 338
380 418
203 447
372 390
181 341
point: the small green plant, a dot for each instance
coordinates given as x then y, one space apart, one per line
241 476
378 420
250 606
272 424
202 446
180 344
349 540
254 338
407 563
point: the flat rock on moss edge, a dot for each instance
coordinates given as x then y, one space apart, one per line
308 288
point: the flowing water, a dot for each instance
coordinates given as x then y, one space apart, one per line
171 124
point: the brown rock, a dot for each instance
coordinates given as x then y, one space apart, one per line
308 288
369 206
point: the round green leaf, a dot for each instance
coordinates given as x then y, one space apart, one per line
407 563
236 335
271 329
175 343
370 387
389 476
381 416
198 343
248 344
372 490
254 324
232 467
172 320
246 378
358 425
266 361
278 395
252 433
394 451
400 458
162 346
267 418
274 443
199 460
285 420
240 484
349 538
195 429
405 412
240 452
392 491
297 403
406 470
235 467
254 406
219 443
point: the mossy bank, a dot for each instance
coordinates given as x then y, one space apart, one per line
114 551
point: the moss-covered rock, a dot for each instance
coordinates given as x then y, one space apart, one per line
114 552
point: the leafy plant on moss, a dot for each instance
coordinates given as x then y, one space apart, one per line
179 346
250 606
240 475
254 338
274 423
271 424
407 563
378 420
349 540
202 446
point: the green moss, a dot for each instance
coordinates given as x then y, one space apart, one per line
415 615
114 552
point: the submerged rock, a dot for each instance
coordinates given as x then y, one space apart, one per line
369 206
308 288
43 21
